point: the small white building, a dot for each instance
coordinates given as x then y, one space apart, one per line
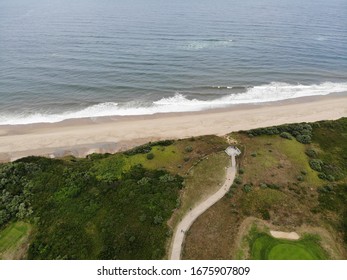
233 151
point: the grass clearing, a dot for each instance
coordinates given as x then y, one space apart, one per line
275 160
164 157
295 152
12 238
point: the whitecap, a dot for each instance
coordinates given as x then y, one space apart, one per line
274 91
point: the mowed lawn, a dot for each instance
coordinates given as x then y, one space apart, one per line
12 237
266 247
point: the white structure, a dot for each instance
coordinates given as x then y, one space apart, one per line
233 151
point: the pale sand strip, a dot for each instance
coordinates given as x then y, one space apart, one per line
45 139
183 227
285 235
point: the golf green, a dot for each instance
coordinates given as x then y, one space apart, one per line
266 247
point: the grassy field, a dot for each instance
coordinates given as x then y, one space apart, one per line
12 238
176 158
265 247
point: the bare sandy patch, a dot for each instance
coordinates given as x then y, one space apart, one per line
285 235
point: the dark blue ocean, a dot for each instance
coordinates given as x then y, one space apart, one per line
64 59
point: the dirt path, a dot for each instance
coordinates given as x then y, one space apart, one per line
192 215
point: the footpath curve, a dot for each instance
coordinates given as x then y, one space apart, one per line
192 215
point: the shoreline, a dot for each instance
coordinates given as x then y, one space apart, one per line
80 137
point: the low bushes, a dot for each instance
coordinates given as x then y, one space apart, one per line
302 132
316 164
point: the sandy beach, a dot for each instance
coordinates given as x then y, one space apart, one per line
80 137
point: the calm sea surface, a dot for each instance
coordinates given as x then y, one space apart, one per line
81 58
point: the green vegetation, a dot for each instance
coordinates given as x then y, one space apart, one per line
302 132
332 199
101 207
98 217
15 191
316 164
265 247
12 237
150 156
144 149
311 153
286 135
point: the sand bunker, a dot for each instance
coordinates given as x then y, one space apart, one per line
285 235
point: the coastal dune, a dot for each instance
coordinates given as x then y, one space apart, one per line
80 137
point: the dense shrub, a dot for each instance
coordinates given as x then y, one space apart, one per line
163 143
300 178
286 135
150 156
97 215
303 138
188 149
330 178
247 188
316 164
273 186
311 153
265 214
144 149
15 190
238 180
301 131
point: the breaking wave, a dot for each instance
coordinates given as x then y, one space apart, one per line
274 91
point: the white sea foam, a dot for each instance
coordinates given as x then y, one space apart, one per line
179 103
206 44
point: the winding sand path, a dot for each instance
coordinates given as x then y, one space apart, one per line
192 215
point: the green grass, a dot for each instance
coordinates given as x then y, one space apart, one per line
12 237
295 152
265 247
164 157
112 167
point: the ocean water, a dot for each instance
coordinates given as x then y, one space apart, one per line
63 59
